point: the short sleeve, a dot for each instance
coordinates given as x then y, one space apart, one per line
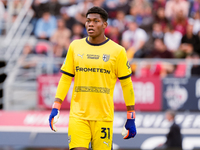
68 65
123 69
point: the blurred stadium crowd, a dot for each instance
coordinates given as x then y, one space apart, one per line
167 29
161 37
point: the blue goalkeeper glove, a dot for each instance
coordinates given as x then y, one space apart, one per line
53 118
129 130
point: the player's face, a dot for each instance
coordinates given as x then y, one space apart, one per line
95 25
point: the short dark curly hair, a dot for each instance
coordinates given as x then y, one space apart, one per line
98 10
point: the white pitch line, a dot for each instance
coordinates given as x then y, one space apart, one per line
115 130
31 129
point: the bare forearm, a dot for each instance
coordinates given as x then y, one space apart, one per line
130 108
58 100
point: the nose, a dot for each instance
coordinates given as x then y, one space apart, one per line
90 24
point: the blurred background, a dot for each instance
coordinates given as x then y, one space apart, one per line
162 39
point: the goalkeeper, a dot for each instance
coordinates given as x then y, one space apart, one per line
95 62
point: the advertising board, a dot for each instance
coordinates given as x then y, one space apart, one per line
147 93
181 93
33 129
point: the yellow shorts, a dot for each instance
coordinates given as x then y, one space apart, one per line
82 132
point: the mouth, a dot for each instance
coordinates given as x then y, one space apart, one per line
90 30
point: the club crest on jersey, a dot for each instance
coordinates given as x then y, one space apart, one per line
106 57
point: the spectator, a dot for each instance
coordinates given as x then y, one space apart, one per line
110 6
42 47
69 21
160 50
143 4
158 4
41 50
194 7
28 49
135 14
15 6
68 3
138 8
196 21
14 17
43 1
173 7
157 33
77 31
149 70
82 8
113 33
134 38
98 3
190 42
124 6
28 61
147 20
180 22
45 26
36 7
172 39
38 11
61 38
161 19
53 6
5 3
159 68
195 59
120 22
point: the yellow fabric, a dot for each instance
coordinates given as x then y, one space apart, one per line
130 54
96 69
128 92
81 132
63 86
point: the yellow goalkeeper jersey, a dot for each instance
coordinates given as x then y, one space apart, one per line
95 68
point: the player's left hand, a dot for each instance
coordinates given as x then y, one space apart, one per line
53 118
129 130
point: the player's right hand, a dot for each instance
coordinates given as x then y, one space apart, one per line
53 118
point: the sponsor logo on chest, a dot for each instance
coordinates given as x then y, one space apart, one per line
92 56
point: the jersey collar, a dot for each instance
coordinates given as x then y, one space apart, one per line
97 44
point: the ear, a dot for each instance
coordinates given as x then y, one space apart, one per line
105 24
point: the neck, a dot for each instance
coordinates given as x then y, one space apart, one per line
97 40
